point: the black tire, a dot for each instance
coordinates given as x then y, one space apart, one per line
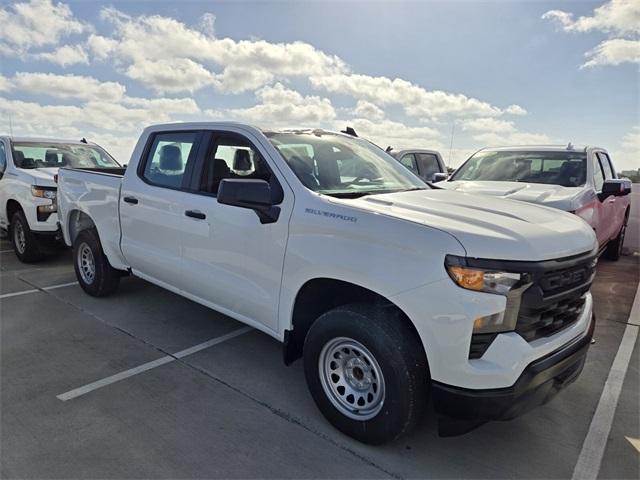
614 248
397 352
87 251
25 242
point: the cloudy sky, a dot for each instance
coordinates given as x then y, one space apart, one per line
401 73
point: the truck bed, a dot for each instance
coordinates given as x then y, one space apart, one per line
94 192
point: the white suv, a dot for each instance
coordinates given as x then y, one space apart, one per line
28 190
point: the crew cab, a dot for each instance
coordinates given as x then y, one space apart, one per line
28 208
580 180
391 291
427 164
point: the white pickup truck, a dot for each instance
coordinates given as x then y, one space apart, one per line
392 291
28 209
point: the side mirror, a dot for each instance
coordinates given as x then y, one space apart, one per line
617 187
439 177
253 194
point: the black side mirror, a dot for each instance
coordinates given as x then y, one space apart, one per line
253 194
439 177
617 187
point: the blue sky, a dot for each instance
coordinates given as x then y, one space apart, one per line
401 73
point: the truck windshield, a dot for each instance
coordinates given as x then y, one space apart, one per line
29 155
568 169
338 165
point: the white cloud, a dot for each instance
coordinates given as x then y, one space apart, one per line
620 18
386 133
368 110
615 16
5 84
496 139
34 24
279 105
66 55
128 117
613 52
228 65
515 110
488 124
415 100
628 156
68 86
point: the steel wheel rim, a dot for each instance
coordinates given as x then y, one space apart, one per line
351 378
19 238
86 263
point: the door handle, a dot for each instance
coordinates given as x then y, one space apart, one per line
131 200
195 214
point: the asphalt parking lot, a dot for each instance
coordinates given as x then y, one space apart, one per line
230 408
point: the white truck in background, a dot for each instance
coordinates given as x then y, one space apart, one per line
28 191
392 291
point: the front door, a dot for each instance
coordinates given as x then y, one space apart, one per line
231 260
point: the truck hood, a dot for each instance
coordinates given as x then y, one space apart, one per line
42 176
489 227
555 196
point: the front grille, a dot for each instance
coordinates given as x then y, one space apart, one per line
555 299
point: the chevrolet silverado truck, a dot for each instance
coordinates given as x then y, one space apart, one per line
28 208
392 292
580 180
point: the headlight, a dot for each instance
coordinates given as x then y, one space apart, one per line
484 280
44 192
509 284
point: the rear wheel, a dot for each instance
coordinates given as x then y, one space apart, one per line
614 249
367 372
25 243
93 271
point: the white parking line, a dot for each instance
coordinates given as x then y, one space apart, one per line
590 459
36 290
6 251
77 392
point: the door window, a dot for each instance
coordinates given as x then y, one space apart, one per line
167 160
232 156
598 174
409 161
429 164
606 166
3 159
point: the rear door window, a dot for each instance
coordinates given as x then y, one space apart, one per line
168 157
409 161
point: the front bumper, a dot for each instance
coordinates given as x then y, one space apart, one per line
463 409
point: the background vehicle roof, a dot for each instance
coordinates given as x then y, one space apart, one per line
550 148
45 140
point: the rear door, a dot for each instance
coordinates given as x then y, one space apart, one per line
153 206
231 261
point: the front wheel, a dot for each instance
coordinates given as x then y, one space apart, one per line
25 243
367 372
94 273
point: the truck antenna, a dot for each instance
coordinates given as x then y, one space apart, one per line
453 129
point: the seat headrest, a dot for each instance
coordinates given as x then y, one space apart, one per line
51 157
18 158
170 158
242 160
67 159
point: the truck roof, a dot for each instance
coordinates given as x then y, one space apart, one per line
550 148
219 124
